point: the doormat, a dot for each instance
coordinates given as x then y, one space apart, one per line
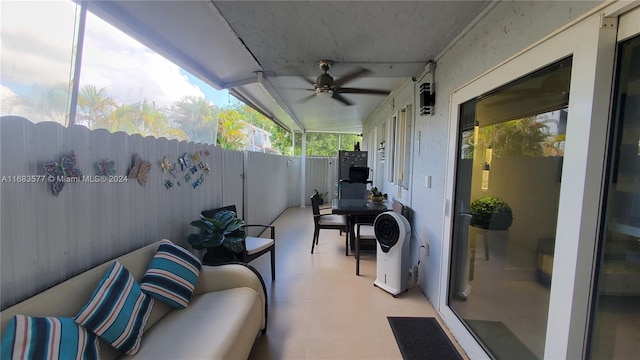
500 340
422 338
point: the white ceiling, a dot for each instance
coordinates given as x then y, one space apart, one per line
260 49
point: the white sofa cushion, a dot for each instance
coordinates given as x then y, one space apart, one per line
216 325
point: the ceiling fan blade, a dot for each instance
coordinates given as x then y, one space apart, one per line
351 76
307 98
362 91
342 99
299 74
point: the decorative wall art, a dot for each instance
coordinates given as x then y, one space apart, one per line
196 156
165 164
65 171
140 170
186 162
106 167
190 166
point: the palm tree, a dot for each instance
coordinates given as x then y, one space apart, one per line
94 106
529 136
153 122
231 133
197 117
47 103
122 118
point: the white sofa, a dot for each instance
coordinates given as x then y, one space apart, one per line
226 313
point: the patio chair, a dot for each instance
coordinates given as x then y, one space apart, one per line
253 247
365 230
325 221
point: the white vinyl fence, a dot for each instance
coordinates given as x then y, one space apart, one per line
321 174
45 239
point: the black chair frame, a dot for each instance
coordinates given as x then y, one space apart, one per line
317 216
244 256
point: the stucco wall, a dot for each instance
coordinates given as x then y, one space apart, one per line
506 29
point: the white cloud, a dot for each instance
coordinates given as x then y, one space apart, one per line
6 93
36 41
36 49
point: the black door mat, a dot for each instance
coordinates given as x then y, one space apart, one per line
422 338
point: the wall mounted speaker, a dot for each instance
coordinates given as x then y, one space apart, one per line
427 98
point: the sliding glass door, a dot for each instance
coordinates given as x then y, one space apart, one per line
508 177
616 308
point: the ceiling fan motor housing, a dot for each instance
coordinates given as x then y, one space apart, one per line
324 82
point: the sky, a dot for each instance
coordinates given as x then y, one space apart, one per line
35 48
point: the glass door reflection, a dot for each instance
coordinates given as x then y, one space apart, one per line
616 314
511 147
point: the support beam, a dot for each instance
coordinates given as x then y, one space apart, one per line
303 171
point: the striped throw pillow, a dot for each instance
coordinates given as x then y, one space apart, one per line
172 275
118 310
27 337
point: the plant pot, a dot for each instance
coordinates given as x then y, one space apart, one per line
218 255
376 198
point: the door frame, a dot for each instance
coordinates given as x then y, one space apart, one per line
591 40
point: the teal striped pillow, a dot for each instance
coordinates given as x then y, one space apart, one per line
27 337
172 275
117 310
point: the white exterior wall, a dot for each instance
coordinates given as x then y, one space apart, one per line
501 32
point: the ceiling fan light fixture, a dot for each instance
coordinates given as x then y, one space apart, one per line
326 86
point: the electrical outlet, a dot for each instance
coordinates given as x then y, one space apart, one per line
427 181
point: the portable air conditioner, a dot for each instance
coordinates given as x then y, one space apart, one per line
393 233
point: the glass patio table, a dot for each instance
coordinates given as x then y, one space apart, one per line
358 210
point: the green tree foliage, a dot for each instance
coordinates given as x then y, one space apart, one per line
197 117
324 144
280 138
231 133
151 121
190 118
46 103
94 106
530 136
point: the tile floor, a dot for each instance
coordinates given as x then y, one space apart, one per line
319 308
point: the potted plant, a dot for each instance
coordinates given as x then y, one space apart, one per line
221 236
319 195
491 213
377 195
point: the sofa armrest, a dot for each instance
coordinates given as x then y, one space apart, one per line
229 276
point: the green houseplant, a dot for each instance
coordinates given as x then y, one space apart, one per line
491 213
377 195
319 195
222 236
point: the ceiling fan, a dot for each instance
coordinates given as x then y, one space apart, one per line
326 85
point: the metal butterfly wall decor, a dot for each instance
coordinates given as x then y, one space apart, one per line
140 170
165 165
106 167
65 171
